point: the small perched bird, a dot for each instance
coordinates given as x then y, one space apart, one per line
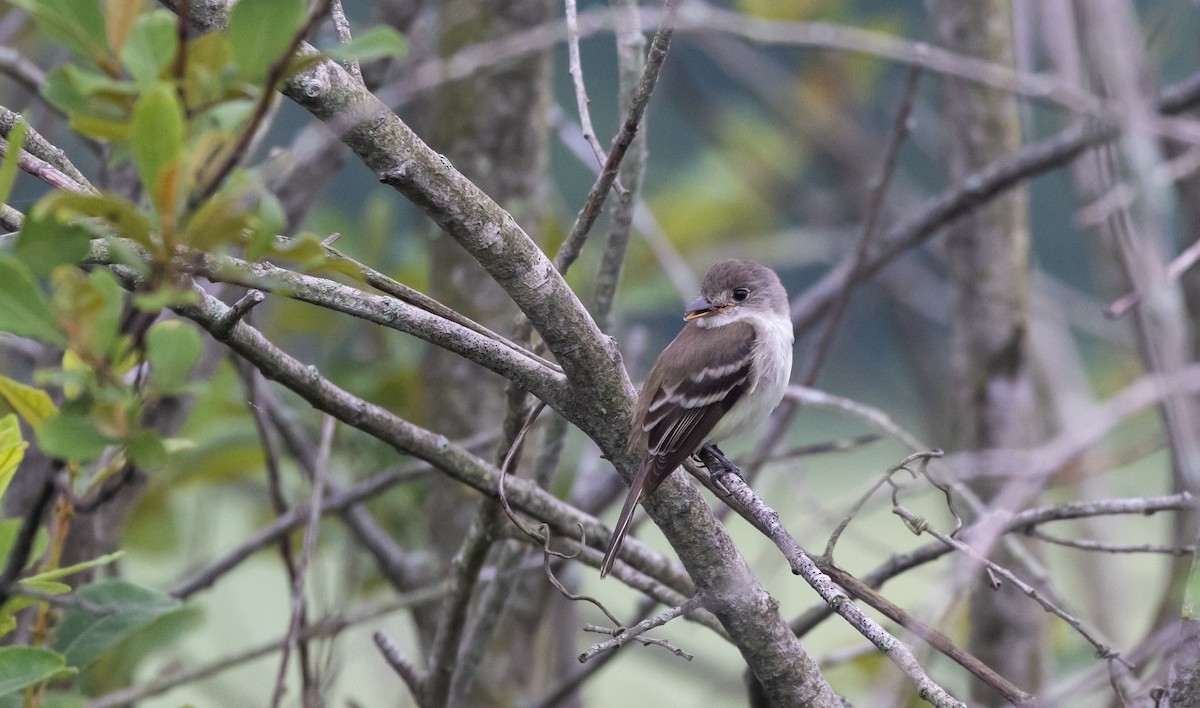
722 375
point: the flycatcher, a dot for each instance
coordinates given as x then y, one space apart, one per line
723 375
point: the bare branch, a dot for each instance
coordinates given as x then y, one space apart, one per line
628 634
575 69
328 627
879 191
919 525
237 152
750 506
342 26
608 174
41 148
14 65
240 309
975 189
1090 545
413 677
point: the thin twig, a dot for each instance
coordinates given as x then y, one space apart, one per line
827 556
701 18
14 65
237 152
452 620
575 69
631 63
974 190
573 244
252 382
919 525
412 677
44 171
879 190
11 220
767 521
328 627
1177 267
183 15
41 148
628 634
22 546
1085 544
237 311
416 298
299 603
294 519
342 26
506 466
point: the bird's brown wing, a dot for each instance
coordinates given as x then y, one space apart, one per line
683 401
695 382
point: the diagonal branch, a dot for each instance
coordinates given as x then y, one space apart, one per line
978 188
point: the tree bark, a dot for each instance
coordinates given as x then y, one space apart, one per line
492 126
993 405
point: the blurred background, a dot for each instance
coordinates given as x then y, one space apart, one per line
762 142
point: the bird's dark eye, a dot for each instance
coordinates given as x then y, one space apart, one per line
740 294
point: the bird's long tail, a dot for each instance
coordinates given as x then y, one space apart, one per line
637 489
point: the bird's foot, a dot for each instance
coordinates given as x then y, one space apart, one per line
718 465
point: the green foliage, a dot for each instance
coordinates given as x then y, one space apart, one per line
72 569
72 435
88 307
32 404
24 309
9 528
8 169
84 637
157 141
75 24
26 666
376 43
151 48
12 450
47 241
96 105
259 33
172 348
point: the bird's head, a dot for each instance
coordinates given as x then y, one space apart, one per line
735 289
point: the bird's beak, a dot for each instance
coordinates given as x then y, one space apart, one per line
702 308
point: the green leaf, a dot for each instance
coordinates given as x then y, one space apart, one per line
268 224
24 310
117 212
73 569
146 449
83 636
26 666
221 219
32 404
89 308
8 170
93 101
164 296
12 450
260 32
157 141
119 16
75 24
45 587
172 348
46 242
376 43
71 435
151 47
